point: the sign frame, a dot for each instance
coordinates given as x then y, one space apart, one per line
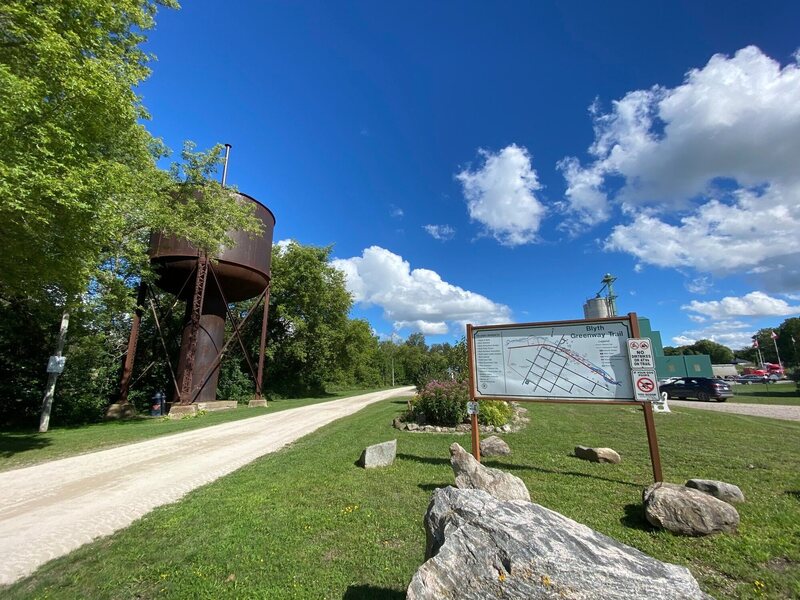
633 328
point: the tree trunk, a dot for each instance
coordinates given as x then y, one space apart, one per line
47 404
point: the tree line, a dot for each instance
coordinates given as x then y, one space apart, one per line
787 340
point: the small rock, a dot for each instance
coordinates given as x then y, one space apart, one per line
470 474
727 492
398 423
506 428
437 429
599 455
489 429
686 511
463 427
379 455
494 446
412 427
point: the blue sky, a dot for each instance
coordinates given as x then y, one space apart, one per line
489 162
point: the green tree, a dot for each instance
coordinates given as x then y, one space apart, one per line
79 186
718 353
308 321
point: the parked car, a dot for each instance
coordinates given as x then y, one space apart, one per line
701 388
745 379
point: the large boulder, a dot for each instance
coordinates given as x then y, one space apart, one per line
479 547
379 455
598 455
470 474
686 511
494 446
727 492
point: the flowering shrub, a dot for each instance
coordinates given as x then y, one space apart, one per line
442 403
494 412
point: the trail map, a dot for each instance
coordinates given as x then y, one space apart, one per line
582 361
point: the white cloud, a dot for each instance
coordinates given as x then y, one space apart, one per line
733 334
697 318
417 299
396 212
284 244
708 170
500 195
440 232
699 285
754 304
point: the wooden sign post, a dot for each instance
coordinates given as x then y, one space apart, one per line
594 361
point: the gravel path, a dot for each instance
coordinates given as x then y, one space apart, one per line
48 510
773 411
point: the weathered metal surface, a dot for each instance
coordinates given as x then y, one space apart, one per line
243 269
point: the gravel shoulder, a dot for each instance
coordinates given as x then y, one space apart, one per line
773 411
50 509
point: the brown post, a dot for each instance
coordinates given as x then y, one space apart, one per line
652 441
476 438
262 346
649 422
476 434
133 340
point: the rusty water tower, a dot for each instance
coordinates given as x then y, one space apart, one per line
208 285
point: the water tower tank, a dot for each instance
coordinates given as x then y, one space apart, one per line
596 308
243 272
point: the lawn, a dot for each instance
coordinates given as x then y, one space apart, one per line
20 448
766 393
305 522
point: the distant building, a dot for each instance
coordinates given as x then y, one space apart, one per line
687 365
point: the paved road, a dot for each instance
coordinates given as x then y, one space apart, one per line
787 413
48 510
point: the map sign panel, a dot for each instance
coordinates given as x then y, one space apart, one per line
583 360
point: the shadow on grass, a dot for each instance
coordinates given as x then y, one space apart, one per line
794 494
370 592
424 459
429 487
14 443
635 519
512 467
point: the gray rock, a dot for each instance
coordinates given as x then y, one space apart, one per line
599 455
470 474
727 492
412 427
379 455
686 511
494 446
479 547
506 427
463 427
398 423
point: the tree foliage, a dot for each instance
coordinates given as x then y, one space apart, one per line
79 185
718 353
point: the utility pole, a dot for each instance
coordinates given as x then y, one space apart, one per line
54 368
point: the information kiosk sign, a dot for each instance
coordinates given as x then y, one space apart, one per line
593 361
584 360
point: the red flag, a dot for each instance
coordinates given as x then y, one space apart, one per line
773 335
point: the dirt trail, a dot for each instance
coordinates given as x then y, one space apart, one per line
48 510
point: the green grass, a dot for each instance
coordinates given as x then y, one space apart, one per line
305 522
24 448
766 393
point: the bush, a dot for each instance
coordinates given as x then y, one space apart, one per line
495 412
442 403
